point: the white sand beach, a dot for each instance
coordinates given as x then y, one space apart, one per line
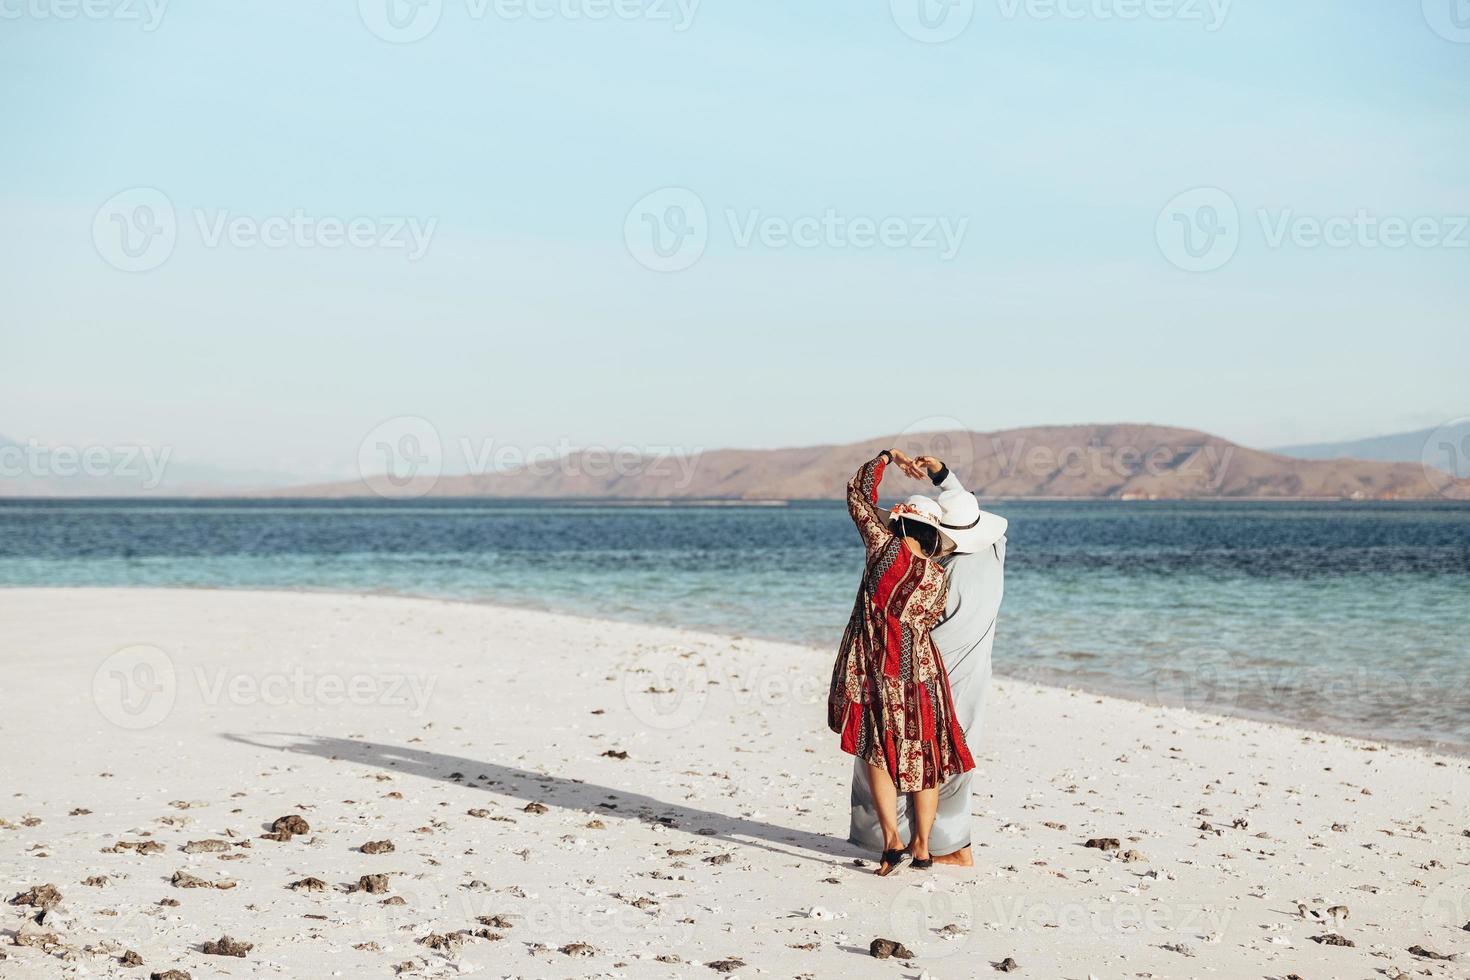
151 737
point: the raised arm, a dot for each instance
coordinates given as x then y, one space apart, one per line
939 474
862 502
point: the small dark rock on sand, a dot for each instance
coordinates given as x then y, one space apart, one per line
726 966
211 846
182 879
32 933
1428 954
1007 965
308 885
534 807
131 958
171 975
883 948
614 754
578 949
1332 939
225 946
494 921
377 847
38 896
373 884
437 940
1103 843
290 824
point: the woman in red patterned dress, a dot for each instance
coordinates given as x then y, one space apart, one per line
890 698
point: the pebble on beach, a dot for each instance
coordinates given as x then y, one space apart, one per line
884 948
225 946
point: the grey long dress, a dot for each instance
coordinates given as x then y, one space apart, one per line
965 637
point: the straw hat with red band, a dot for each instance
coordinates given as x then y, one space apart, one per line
923 510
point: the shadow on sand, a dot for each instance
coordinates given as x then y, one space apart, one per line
569 794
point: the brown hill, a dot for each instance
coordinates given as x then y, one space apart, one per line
1077 461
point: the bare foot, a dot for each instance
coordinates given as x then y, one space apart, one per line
961 858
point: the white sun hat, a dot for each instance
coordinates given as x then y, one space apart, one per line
920 508
963 522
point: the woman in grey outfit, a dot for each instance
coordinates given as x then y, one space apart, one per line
975 566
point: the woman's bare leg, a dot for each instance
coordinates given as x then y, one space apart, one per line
926 805
885 802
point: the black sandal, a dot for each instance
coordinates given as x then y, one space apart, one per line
923 864
893 859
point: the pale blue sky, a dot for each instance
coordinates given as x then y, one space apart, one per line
528 319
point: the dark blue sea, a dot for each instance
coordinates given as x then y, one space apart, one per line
1351 617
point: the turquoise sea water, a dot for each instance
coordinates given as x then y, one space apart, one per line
1348 617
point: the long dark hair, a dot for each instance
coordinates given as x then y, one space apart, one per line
926 534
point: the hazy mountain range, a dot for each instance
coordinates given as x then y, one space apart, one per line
1402 447
31 470
1077 461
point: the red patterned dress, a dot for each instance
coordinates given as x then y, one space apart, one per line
890 697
